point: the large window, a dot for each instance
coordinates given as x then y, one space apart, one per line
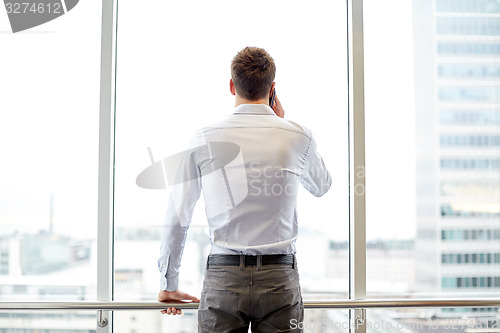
432 152
49 120
173 73
432 156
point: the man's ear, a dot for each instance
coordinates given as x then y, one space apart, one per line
272 88
232 88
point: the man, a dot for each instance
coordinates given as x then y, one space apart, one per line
250 190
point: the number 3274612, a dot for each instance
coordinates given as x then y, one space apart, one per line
33 8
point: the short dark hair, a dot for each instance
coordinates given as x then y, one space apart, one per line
253 71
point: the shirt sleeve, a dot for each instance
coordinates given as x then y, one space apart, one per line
315 177
184 194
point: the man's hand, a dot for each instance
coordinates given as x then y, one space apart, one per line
277 108
175 297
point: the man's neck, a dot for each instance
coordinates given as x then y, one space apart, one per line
240 100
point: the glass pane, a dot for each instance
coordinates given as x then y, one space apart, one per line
49 124
315 320
154 322
433 320
67 321
176 80
433 149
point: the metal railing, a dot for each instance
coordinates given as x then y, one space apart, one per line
310 304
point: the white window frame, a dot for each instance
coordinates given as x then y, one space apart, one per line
105 279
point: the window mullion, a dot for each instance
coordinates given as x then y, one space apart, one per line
357 263
106 153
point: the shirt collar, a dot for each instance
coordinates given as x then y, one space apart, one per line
260 109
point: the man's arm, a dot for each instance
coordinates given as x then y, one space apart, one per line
315 177
183 198
171 248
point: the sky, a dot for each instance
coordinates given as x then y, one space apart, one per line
173 78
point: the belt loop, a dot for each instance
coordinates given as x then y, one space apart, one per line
294 263
242 262
259 262
208 258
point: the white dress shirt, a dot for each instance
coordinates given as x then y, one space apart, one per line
249 167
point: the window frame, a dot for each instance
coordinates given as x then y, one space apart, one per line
356 151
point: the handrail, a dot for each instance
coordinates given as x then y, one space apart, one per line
312 304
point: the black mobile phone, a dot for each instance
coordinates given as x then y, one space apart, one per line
271 99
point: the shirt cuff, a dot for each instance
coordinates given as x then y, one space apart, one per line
172 284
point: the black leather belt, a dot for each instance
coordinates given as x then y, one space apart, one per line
236 260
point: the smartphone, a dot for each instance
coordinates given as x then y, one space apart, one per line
271 99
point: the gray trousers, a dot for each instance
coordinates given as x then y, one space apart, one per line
268 297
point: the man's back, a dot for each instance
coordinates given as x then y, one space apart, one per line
251 202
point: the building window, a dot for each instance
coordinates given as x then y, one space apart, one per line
469 117
467 6
470 49
448 282
484 26
470 164
473 234
469 140
473 94
468 71
481 234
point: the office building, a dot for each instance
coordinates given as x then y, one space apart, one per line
457 89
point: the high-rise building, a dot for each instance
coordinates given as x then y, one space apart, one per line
457 95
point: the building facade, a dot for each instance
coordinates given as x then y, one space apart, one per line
457 90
